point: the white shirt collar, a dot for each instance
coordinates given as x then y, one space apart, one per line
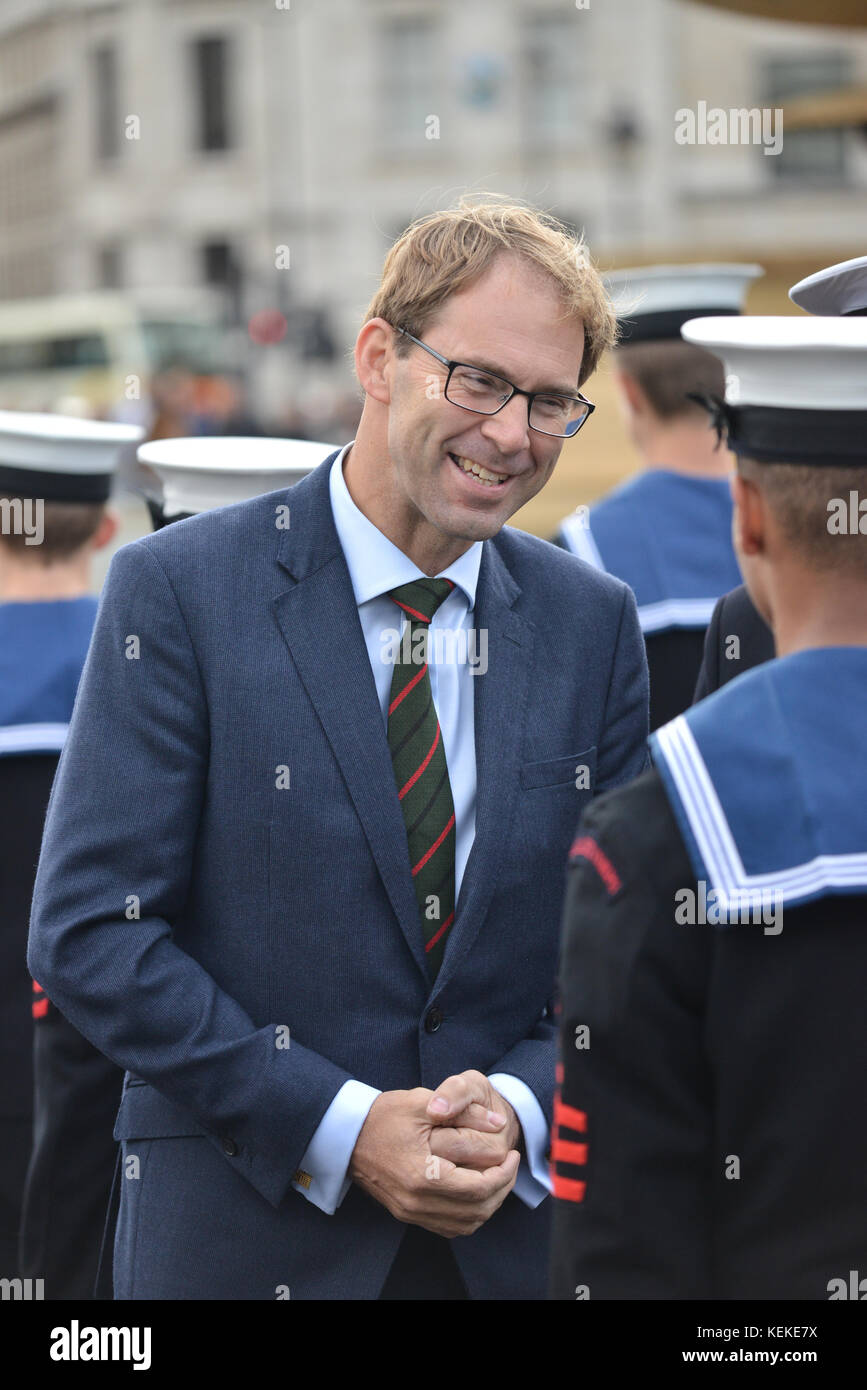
375 564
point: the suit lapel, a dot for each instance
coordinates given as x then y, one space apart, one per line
500 696
319 621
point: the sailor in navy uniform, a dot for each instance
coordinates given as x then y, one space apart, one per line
710 1135
78 1090
667 530
55 478
837 290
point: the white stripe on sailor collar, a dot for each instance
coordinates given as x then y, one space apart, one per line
716 844
579 539
676 612
32 738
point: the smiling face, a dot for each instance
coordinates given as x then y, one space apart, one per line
455 476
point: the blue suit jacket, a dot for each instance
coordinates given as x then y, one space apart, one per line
187 907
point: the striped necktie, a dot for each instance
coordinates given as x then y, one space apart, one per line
420 770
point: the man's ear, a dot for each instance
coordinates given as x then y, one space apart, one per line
749 523
631 395
106 531
374 350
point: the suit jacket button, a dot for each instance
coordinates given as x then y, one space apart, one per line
433 1019
230 1148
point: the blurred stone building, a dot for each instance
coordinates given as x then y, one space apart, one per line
274 148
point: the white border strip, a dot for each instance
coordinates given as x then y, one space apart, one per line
32 738
716 844
580 540
676 612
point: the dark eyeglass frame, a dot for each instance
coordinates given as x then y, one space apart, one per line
513 390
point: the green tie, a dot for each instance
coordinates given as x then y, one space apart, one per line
420 770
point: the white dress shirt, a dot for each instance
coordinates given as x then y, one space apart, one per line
375 567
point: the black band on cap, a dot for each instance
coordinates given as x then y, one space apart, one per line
855 313
772 434
665 323
54 487
786 434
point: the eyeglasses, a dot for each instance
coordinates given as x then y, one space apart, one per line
474 388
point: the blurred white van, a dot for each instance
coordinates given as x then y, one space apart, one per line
91 353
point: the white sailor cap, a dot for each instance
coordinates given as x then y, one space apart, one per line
838 289
60 458
653 302
213 471
796 388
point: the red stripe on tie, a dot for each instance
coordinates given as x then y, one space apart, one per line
415 776
568 1189
37 988
436 936
413 612
564 1151
567 1117
435 846
559 1073
406 689
585 848
40 1008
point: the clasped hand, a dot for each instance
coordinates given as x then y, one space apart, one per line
443 1159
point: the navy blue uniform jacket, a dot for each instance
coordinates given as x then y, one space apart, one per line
189 907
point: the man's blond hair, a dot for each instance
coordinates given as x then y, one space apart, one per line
446 251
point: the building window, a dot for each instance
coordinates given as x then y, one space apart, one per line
211 87
410 94
106 91
553 63
217 263
815 155
221 268
109 268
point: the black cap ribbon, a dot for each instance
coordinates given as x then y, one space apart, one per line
816 436
721 417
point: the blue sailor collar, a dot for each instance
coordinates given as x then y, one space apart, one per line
768 780
43 645
668 536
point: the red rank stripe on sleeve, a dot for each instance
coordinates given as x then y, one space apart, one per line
567 1151
40 1003
586 848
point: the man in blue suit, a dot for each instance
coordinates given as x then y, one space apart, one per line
304 860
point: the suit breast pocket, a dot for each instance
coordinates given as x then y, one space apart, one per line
575 770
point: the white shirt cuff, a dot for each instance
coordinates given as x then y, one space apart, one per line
533 1182
321 1177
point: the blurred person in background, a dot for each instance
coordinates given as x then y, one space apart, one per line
667 531
173 403
291 423
54 484
336 417
221 408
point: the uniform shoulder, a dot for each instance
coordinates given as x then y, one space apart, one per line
632 831
622 494
738 607
640 501
628 517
